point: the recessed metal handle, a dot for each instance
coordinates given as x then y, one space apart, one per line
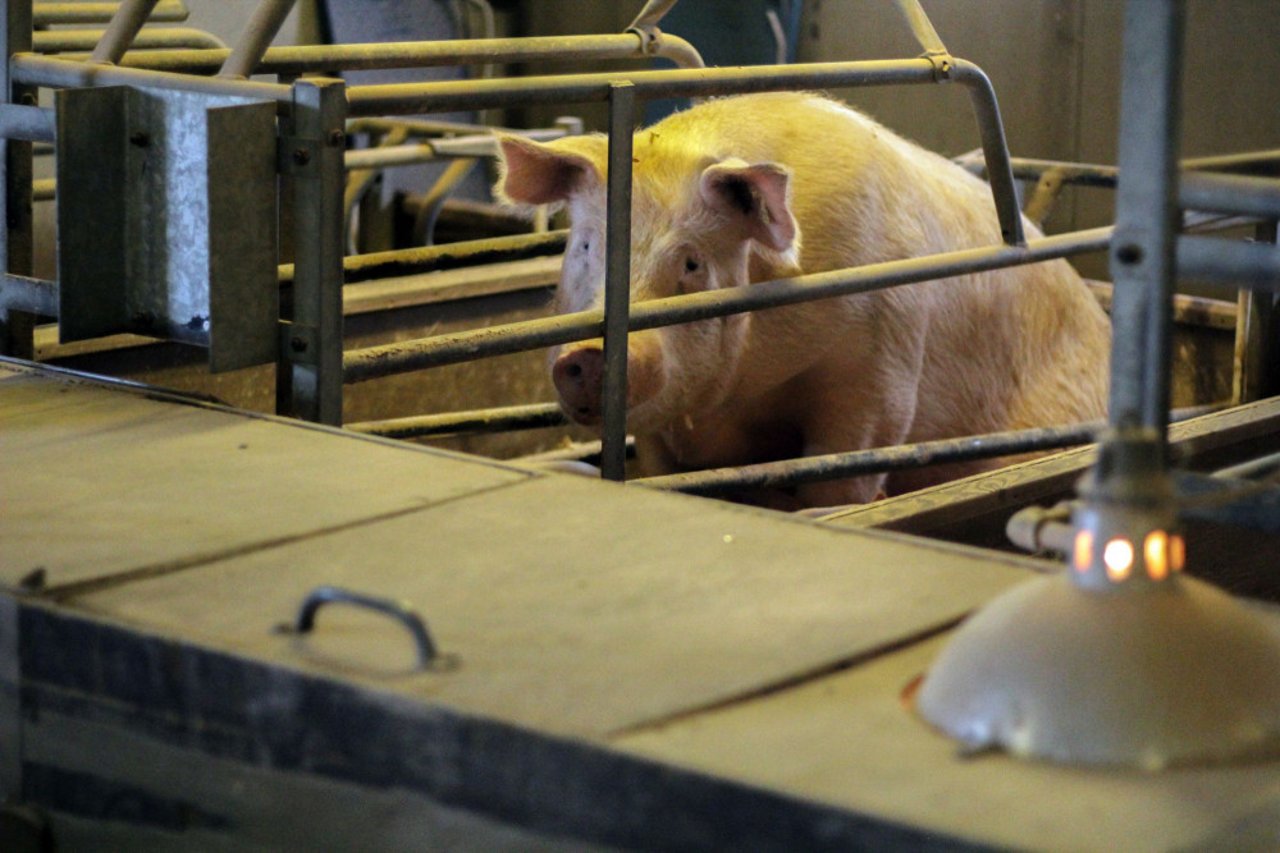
401 611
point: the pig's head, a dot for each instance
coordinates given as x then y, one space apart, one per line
698 223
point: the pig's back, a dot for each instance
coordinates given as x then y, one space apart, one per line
1019 347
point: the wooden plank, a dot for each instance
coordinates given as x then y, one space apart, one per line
578 606
969 500
848 742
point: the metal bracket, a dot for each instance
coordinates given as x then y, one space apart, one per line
10 699
167 219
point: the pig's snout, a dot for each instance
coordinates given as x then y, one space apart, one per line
579 378
578 375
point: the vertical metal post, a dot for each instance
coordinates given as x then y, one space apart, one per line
617 283
1142 251
267 19
17 328
125 23
309 370
1255 376
10 693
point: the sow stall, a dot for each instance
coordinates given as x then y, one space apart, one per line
656 671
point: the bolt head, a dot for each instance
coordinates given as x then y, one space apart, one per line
301 156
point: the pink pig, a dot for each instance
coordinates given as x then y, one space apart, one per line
757 187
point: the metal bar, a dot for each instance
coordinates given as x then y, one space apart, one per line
1254 266
17 328
371 362
1263 466
651 13
1229 194
416 98
501 419
400 262
167 11
994 147
1264 163
65 41
119 34
32 295
44 189
836 466
922 28
1142 252
34 70
617 282
33 124
419 98
309 375
11 716
308 59
266 21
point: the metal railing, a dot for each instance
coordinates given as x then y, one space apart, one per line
315 111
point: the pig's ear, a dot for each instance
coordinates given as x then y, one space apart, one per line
535 173
756 196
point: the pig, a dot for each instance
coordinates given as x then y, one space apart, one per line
756 187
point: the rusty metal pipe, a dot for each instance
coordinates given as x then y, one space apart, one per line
44 14
499 419
66 41
413 261
836 466
304 59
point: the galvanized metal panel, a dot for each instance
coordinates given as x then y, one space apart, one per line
97 481
578 606
166 219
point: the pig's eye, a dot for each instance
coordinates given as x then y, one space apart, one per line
586 247
690 265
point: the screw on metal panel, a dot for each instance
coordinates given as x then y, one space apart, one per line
1129 254
301 156
140 138
337 137
297 344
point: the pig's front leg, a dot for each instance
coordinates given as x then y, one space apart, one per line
876 416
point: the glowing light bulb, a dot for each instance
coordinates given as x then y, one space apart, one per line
1155 550
1117 556
1083 551
1177 552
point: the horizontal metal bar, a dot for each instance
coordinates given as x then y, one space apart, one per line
478 145
101 13
371 362
501 419
33 124
402 262
1254 266
33 295
1229 194
836 466
33 70
1097 175
416 98
44 189
1262 466
65 41
305 59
